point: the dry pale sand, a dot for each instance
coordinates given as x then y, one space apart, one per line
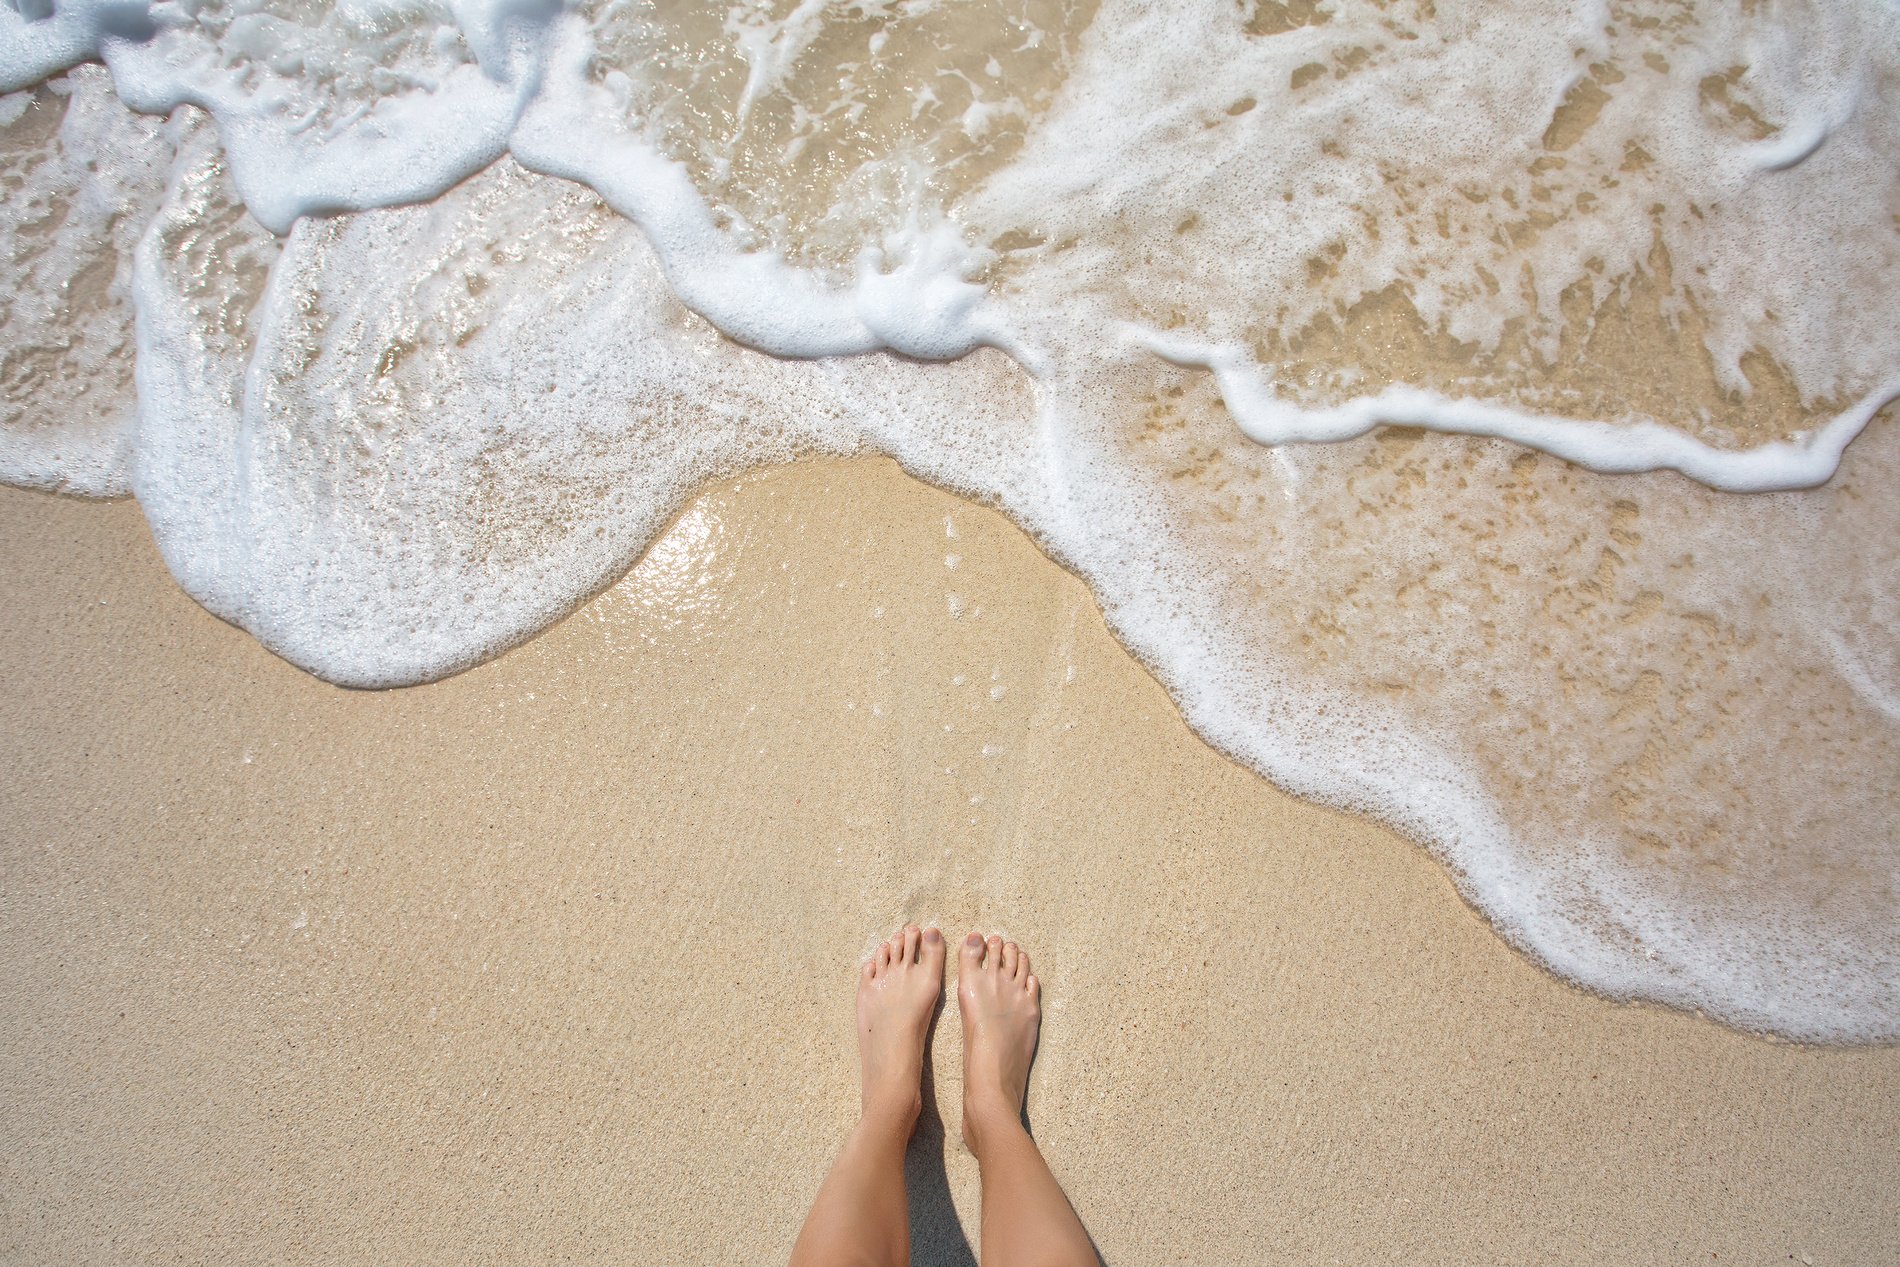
553 961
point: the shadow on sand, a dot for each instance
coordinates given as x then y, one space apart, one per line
936 1237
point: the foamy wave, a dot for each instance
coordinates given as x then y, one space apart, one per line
447 308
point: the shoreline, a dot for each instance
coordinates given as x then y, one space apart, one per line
509 962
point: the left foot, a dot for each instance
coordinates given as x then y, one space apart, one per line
897 995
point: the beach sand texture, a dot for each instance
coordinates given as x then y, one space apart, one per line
552 961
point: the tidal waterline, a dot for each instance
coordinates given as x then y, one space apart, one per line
438 321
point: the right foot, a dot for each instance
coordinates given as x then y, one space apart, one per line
998 997
898 989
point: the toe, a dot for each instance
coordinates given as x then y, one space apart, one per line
931 956
1011 953
1034 986
868 969
1022 966
913 938
993 953
970 955
883 956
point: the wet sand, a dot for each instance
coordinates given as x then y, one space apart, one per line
553 960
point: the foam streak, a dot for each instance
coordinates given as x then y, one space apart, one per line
1608 448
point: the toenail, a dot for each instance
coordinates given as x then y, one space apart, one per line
932 936
974 940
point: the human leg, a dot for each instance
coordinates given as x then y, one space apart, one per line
1027 1221
860 1217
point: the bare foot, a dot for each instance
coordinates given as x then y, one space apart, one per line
897 994
1000 1001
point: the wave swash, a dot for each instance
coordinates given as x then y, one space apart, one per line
1470 409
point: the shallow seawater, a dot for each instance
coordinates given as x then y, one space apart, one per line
1470 411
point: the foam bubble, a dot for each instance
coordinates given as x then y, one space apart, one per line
83 178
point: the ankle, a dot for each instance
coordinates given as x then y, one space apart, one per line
988 1122
892 1111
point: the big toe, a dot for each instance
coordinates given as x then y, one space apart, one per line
931 952
970 954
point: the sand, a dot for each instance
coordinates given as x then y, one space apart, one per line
553 960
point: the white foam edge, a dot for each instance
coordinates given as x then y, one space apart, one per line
1634 446
1427 790
911 295
38 41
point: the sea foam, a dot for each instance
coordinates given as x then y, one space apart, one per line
1354 353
